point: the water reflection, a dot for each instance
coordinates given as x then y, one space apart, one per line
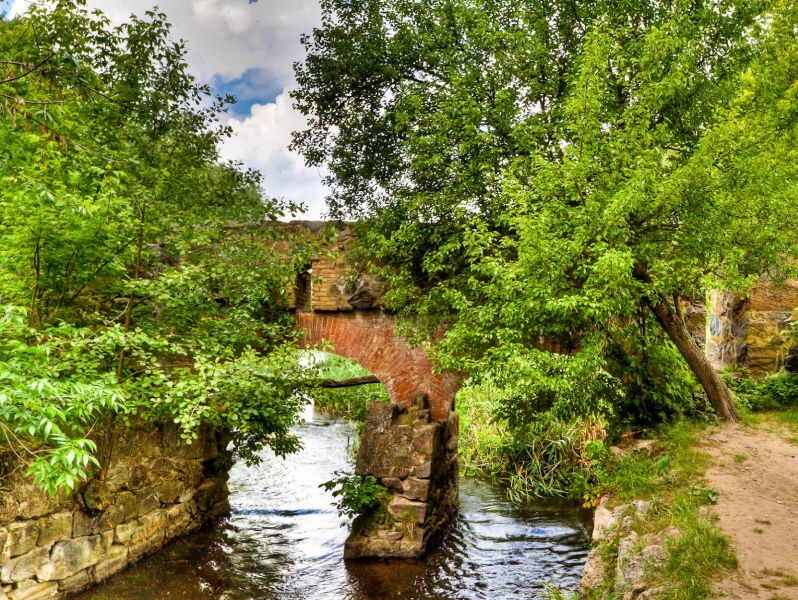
284 541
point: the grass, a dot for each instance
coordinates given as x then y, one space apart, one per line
550 458
348 402
671 478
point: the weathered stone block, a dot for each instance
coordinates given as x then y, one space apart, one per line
96 495
9 507
54 528
35 591
424 470
32 500
178 520
168 491
125 531
150 525
75 583
5 549
71 556
127 502
416 489
108 538
140 547
114 560
84 524
25 566
112 516
403 509
147 501
424 438
392 483
22 537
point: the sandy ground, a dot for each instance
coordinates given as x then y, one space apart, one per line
756 472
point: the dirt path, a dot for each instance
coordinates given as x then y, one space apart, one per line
756 472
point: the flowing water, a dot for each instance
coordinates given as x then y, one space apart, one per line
283 540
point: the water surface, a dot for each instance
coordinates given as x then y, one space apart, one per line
283 540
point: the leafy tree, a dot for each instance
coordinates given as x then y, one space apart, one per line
137 275
538 171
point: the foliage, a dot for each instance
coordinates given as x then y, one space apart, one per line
153 287
547 457
51 393
532 174
356 495
348 402
774 392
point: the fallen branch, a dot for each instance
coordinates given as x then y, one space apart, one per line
341 383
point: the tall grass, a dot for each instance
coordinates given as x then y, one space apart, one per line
550 457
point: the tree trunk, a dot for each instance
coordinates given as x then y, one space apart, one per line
717 391
342 383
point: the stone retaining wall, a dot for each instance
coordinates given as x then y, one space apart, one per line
156 488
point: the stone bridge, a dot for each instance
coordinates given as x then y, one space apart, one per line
410 445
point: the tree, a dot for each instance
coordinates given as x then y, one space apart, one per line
572 171
126 288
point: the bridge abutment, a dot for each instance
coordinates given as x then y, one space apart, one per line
415 457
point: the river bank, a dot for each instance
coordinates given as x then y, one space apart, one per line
703 511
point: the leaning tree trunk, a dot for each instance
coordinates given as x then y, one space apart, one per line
717 391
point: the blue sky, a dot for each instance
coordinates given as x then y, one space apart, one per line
246 48
254 86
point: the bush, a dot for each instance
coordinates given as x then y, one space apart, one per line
772 393
356 495
548 456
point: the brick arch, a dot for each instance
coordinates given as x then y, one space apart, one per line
370 339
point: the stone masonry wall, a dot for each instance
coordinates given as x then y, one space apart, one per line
746 334
415 457
156 488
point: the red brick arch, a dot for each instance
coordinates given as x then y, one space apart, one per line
370 339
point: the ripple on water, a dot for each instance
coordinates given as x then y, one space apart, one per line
284 540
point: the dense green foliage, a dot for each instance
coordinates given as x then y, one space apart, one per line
772 393
125 288
546 456
349 402
356 495
543 177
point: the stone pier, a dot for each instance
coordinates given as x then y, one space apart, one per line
415 457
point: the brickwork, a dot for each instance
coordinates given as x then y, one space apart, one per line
370 339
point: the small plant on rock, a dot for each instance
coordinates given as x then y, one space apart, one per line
356 495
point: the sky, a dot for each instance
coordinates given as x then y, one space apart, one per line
247 48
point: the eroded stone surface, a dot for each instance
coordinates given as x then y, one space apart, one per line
413 456
50 547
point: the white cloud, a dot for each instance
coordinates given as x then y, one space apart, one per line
226 38
261 141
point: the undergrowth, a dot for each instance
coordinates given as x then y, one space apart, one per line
349 402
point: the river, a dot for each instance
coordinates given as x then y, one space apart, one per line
284 541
